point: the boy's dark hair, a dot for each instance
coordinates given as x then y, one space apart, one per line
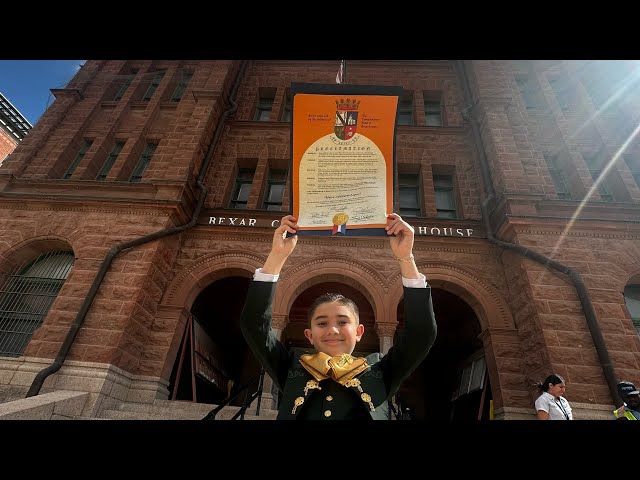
330 298
552 379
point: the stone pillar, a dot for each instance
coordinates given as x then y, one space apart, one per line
269 397
385 333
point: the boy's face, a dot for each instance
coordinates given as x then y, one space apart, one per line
334 329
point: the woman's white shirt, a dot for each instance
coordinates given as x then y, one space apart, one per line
555 408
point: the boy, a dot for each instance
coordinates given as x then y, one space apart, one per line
333 385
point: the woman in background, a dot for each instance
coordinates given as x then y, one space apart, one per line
551 405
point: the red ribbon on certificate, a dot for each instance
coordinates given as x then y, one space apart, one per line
339 229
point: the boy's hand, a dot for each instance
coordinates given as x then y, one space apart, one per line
281 245
402 235
402 242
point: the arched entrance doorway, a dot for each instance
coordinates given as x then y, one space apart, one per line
221 358
451 384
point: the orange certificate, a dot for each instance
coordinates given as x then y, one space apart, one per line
343 152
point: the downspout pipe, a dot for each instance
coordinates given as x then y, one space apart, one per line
583 295
40 378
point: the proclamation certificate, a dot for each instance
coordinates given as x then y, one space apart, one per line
343 152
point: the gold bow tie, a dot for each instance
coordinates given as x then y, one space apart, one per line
340 368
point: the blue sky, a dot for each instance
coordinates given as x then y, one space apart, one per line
26 83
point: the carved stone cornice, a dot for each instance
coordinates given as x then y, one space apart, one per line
67 92
279 321
385 329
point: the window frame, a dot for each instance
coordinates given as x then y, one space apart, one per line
86 145
453 194
272 181
143 162
417 189
242 178
153 86
110 160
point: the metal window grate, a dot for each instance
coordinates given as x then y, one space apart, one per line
26 297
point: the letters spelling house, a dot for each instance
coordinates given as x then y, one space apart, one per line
136 210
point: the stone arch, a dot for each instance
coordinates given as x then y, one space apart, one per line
173 310
20 255
486 301
28 250
633 277
307 273
191 280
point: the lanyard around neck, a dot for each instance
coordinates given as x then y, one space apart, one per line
564 412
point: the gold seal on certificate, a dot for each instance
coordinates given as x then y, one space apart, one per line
340 218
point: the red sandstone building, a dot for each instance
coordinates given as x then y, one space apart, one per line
138 208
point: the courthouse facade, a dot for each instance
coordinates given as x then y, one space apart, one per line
135 212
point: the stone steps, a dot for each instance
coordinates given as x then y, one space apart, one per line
178 410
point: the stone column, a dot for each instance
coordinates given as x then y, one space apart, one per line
385 333
269 397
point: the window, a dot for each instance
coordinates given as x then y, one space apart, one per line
121 91
157 78
445 196
286 111
557 176
632 300
182 85
473 377
79 157
405 109
275 189
264 106
596 170
143 163
409 186
526 92
634 166
108 163
433 109
26 297
242 189
561 91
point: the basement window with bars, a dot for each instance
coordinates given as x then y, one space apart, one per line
26 297
143 163
108 163
632 300
78 159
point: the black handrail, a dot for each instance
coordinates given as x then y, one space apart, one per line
403 412
248 399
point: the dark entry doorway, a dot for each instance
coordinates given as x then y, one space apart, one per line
433 391
225 360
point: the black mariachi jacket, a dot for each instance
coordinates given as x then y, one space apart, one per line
332 401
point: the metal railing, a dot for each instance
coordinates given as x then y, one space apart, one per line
248 398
